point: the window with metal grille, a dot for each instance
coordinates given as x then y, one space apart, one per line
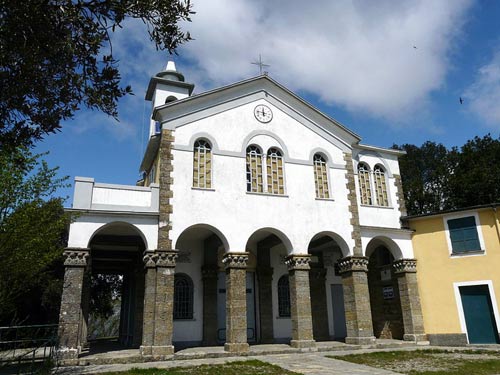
321 176
275 183
255 182
183 296
283 297
380 186
365 191
202 164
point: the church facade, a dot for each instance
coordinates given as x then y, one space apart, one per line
259 220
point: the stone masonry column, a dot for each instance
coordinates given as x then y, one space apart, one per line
265 277
406 272
356 300
148 325
164 306
209 276
236 302
70 316
317 278
300 301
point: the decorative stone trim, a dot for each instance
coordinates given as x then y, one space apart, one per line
349 264
298 262
235 260
149 259
400 194
166 258
405 265
76 257
353 204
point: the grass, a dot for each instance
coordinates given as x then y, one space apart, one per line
252 367
431 362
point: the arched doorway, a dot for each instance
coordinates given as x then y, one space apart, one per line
199 293
327 296
270 247
113 292
383 286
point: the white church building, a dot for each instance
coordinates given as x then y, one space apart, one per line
259 220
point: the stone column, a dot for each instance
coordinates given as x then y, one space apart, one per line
148 322
236 302
85 307
70 316
406 272
164 306
317 278
209 276
300 301
356 300
265 278
139 307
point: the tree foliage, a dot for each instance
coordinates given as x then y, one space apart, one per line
33 228
435 178
56 56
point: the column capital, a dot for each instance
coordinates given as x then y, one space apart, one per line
166 258
405 265
235 260
298 262
149 258
76 257
353 263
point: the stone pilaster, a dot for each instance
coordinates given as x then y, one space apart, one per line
356 300
166 194
209 275
70 316
236 302
400 194
406 272
85 307
300 301
164 306
265 277
317 278
139 306
353 205
148 327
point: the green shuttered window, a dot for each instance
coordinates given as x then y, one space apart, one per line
463 234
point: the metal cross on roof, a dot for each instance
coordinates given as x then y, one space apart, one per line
260 64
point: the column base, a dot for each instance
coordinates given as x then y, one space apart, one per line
302 344
360 340
68 356
415 337
161 352
236 347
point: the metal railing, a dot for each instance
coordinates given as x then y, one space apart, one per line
27 349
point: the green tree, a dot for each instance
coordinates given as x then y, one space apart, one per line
424 173
56 55
33 228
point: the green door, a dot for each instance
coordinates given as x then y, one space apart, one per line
478 312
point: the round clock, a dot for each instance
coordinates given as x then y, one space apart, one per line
263 113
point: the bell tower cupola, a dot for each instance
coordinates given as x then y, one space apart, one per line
165 87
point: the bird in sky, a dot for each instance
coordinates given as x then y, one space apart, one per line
415 47
461 100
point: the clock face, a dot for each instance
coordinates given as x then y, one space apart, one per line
263 113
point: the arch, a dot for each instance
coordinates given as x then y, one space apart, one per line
121 225
170 99
203 136
208 227
387 242
283 238
323 153
380 184
381 160
344 248
282 146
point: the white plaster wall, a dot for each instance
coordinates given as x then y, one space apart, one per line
192 330
298 214
282 327
398 242
122 197
85 225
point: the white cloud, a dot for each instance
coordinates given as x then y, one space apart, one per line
483 95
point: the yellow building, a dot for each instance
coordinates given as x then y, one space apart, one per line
458 262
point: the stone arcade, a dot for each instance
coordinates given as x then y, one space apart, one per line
259 220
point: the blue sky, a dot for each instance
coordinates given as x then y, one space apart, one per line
354 60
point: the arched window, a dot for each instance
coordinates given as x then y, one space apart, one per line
321 176
202 164
170 99
254 170
283 297
380 186
365 191
275 183
183 296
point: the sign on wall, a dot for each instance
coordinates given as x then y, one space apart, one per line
388 292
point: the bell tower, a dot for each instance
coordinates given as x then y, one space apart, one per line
165 87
